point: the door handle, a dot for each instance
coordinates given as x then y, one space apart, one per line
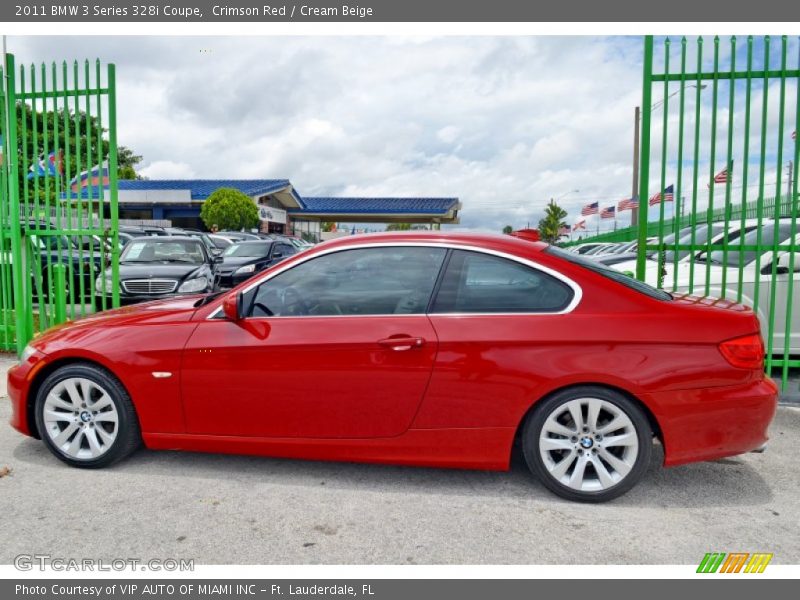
401 343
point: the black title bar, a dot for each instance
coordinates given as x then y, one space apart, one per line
263 11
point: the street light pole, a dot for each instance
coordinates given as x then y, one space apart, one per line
637 118
635 187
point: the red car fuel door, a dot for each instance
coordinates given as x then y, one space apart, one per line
313 377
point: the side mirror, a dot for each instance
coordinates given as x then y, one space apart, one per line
231 307
784 264
277 255
217 259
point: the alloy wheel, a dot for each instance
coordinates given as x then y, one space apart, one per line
588 444
80 418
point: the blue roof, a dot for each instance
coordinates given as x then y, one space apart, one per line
355 205
201 189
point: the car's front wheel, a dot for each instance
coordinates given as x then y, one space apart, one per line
589 444
85 416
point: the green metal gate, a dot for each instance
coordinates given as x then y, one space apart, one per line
718 194
58 196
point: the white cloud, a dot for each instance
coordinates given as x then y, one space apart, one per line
504 123
167 169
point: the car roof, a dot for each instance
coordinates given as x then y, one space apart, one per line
169 238
496 241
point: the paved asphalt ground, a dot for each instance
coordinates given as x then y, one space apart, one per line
242 510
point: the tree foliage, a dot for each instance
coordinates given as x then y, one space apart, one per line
75 153
552 222
398 227
508 229
228 208
126 163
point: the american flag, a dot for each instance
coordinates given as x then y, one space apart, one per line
628 204
608 213
590 209
579 225
721 177
564 230
669 196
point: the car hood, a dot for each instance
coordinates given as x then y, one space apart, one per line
169 310
159 270
238 261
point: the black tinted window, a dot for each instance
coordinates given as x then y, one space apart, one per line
368 281
610 273
480 283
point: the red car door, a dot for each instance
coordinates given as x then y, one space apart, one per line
336 346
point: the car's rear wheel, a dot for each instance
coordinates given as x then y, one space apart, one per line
588 444
85 416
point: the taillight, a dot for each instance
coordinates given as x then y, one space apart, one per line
746 352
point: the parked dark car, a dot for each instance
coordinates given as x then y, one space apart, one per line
239 236
243 260
159 267
82 264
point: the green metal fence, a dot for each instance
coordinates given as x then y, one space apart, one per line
722 137
58 196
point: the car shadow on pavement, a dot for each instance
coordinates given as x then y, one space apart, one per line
729 482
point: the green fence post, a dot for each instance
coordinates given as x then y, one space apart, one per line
59 292
644 157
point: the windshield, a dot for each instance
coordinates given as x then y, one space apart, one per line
610 273
735 258
53 242
248 249
154 250
701 235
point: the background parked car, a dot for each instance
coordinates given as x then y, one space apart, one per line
159 267
244 259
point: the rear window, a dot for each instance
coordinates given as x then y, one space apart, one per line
610 273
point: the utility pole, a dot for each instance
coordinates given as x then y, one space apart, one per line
635 187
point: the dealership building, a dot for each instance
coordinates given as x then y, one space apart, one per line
281 208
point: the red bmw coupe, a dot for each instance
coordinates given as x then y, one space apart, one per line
416 349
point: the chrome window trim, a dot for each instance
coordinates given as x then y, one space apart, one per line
576 289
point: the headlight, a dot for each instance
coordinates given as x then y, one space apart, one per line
27 353
104 284
245 269
194 285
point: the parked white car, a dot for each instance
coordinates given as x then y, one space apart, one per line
756 270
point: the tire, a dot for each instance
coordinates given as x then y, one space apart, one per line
96 438
599 466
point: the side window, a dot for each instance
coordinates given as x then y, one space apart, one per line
366 281
285 250
480 283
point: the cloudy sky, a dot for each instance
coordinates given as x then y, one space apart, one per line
504 123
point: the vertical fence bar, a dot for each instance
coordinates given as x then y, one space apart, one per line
712 164
745 164
644 171
678 212
59 185
22 334
696 168
112 182
663 179
68 170
762 173
793 239
101 203
777 214
729 167
80 192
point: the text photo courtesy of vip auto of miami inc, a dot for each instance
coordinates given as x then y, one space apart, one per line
398 300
